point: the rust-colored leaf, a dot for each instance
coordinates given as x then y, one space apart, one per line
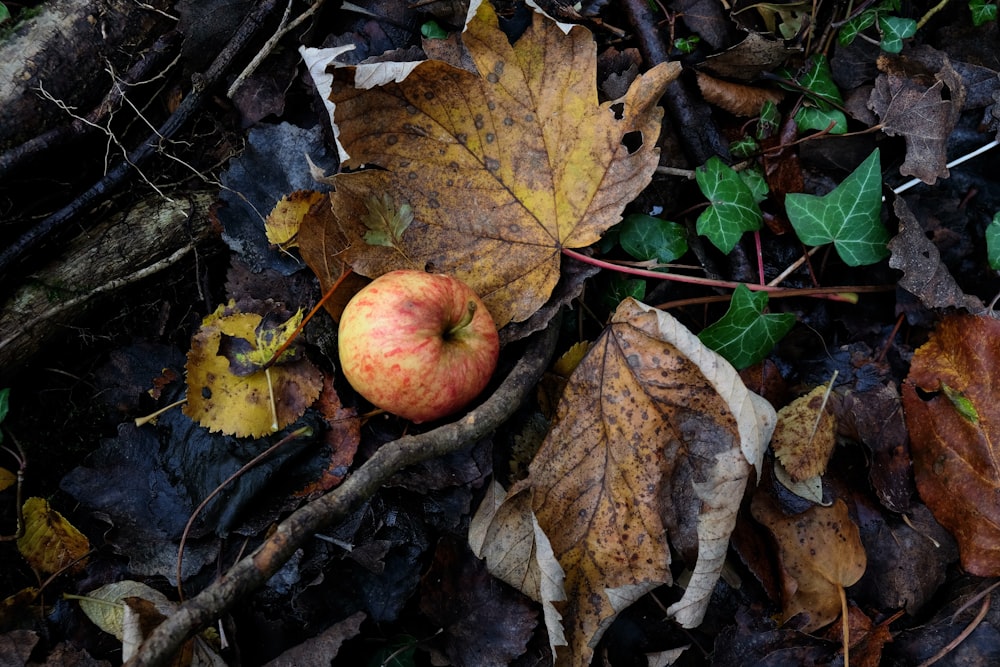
738 99
50 542
501 168
820 552
654 437
952 414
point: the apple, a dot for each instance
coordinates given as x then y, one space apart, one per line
419 345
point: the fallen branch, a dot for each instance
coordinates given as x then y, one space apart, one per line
252 571
202 88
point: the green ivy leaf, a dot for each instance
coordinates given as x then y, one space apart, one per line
647 238
744 335
733 209
756 181
993 242
744 147
894 30
818 81
855 26
848 216
687 44
982 12
770 120
811 118
620 288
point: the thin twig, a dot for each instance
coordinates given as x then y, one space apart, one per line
119 174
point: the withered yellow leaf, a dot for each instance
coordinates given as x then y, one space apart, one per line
50 542
221 400
105 606
7 478
821 553
502 167
283 222
805 435
654 439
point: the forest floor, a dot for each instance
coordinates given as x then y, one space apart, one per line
791 459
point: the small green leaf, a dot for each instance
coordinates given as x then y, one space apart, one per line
386 221
982 12
687 44
648 238
744 147
848 216
811 118
993 242
769 121
733 209
818 81
4 406
433 30
756 181
855 26
621 288
4 12
961 403
745 335
894 30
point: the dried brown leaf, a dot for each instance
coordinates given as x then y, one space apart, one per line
913 103
736 98
821 553
647 412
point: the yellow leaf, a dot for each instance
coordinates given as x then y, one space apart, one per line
7 478
502 167
240 405
50 542
105 606
805 435
282 224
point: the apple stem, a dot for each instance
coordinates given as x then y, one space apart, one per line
470 312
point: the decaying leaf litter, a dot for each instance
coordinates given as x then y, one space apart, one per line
635 495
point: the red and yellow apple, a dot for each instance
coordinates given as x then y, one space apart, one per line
419 345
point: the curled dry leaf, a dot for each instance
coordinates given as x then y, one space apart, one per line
952 414
924 274
501 168
737 98
221 400
821 553
50 542
647 411
922 102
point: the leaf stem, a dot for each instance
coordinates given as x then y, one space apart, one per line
319 304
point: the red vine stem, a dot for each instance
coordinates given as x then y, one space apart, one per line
834 293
